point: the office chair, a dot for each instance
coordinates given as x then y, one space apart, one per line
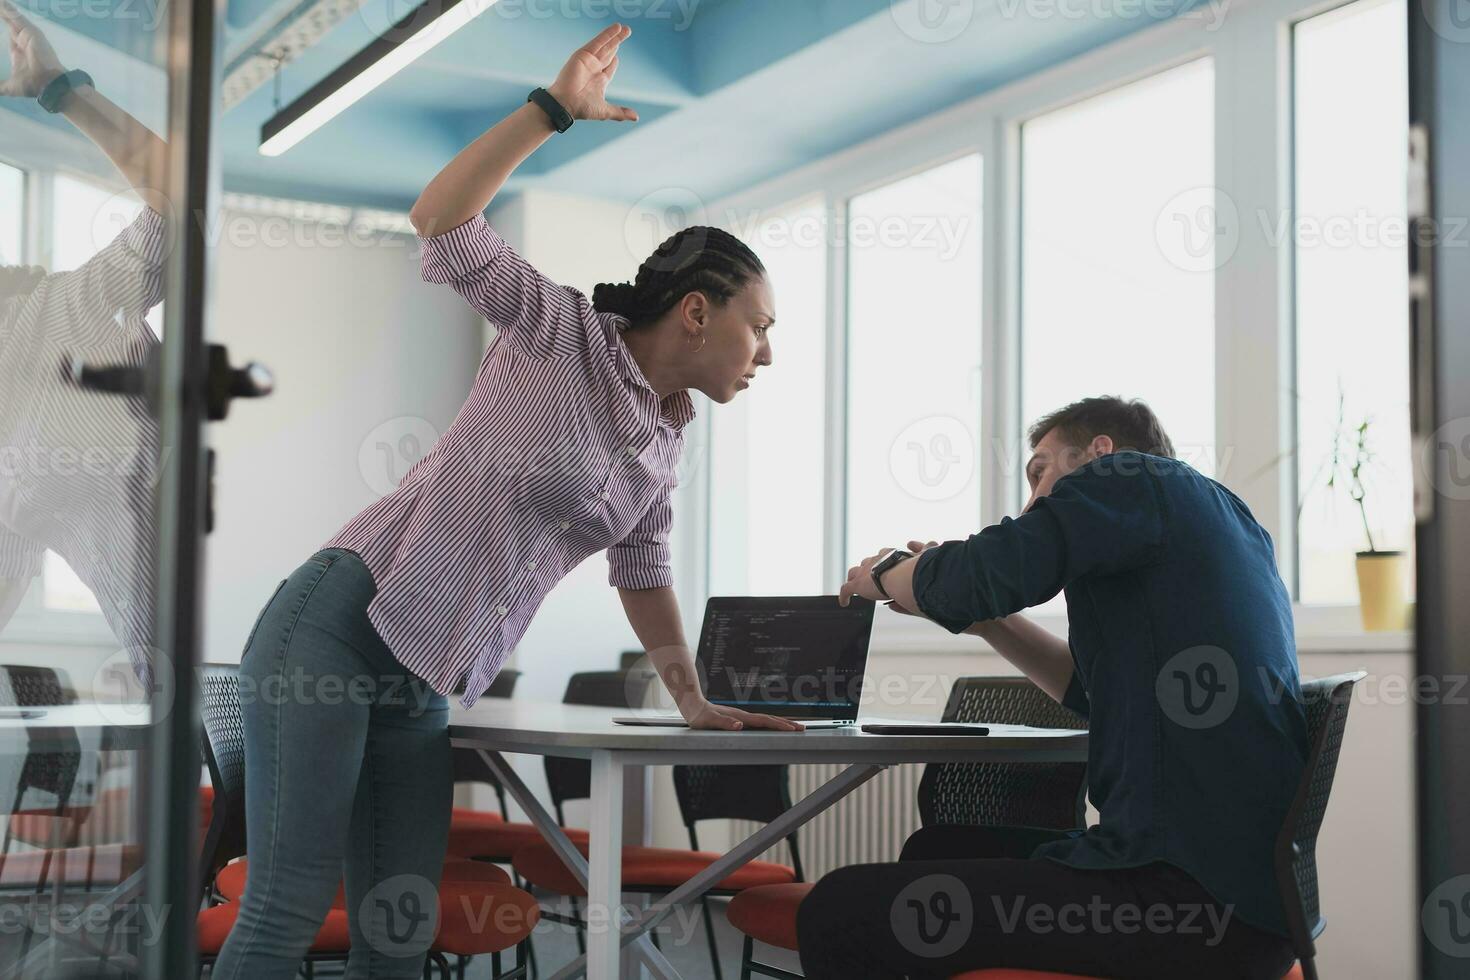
976 795
1326 702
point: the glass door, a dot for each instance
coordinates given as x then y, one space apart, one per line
105 383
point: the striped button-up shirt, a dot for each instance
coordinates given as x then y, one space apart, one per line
561 450
79 468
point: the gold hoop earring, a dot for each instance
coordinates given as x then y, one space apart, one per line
696 350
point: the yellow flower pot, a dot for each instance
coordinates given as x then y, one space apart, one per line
1381 594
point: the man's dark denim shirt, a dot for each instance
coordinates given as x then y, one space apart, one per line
1185 664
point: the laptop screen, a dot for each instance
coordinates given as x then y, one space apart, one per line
799 657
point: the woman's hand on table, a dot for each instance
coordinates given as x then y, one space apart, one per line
703 714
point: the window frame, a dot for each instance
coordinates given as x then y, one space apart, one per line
1255 333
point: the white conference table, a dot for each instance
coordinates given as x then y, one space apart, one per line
495 726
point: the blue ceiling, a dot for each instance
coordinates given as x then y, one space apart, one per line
730 91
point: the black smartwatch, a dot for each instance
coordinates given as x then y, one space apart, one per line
560 118
884 564
60 87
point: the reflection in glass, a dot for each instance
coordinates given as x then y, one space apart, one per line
12 210
80 271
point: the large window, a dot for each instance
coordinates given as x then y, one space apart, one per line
1114 242
1351 104
12 212
767 466
1118 250
913 358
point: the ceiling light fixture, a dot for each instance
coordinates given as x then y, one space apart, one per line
425 27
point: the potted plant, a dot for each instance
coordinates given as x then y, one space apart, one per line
1381 574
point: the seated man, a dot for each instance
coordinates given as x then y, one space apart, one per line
1180 654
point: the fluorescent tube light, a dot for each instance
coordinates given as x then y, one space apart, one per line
404 43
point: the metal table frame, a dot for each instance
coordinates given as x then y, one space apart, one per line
494 729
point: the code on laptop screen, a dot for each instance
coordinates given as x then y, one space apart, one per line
805 651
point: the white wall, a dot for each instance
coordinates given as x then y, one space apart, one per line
355 339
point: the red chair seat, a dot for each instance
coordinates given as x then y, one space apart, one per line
105 864
476 918
496 840
767 914
1008 973
37 827
465 818
104 822
213 926
644 867
230 882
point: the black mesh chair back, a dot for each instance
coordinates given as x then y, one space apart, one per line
1326 702
223 747
760 793
24 686
993 794
571 779
53 768
468 766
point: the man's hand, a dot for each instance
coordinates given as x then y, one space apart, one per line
703 714
33 62
581 87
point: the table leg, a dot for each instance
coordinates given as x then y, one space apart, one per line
603 874
778 829
605 869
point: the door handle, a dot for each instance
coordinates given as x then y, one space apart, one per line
222 383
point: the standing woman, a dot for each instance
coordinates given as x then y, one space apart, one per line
567 445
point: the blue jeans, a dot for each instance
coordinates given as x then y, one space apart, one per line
348 779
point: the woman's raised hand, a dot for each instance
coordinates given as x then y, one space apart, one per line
581 87
33 62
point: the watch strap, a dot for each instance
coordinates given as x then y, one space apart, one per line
888 562
56 91
557 112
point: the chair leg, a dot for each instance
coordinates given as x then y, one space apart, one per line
747 953
709 931
581 939
460 963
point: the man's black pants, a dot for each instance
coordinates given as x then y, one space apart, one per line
956 901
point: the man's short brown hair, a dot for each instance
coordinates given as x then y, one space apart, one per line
1130 424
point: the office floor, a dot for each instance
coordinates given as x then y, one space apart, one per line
683 942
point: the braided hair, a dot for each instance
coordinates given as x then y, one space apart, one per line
699 258
18 280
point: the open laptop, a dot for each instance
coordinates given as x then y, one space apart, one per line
799 657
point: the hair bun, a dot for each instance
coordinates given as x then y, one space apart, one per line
613 297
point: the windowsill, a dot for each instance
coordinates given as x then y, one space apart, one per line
1320 629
